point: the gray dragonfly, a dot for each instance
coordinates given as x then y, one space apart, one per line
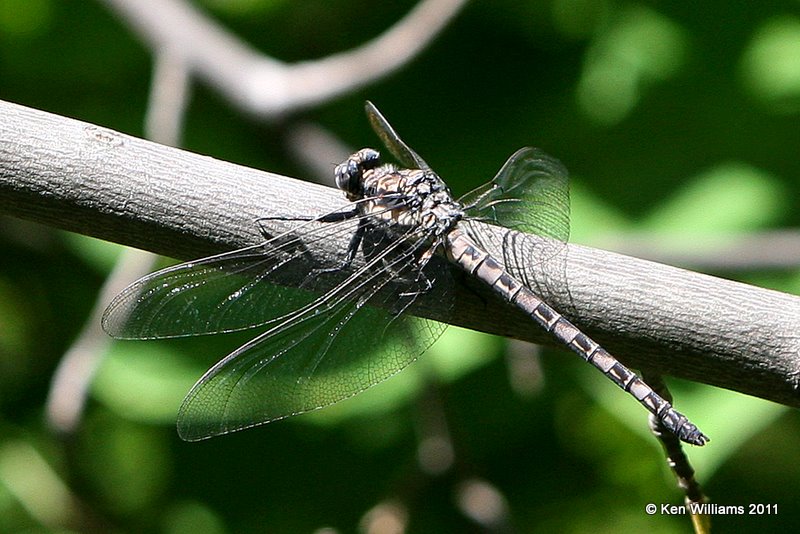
348 325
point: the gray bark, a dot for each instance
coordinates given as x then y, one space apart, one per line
87 179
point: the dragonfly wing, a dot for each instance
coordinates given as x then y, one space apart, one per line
341 344
529 194
399 149
241 289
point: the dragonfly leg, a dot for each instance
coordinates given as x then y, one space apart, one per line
352 247
327 218
337 216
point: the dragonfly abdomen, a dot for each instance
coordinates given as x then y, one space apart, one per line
468 255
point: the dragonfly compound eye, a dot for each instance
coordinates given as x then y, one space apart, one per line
370 158
349 173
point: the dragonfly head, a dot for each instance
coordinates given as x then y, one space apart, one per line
349 173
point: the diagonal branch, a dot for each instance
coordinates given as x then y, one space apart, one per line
91 180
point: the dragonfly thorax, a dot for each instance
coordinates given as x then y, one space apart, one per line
399 197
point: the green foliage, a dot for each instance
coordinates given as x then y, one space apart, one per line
673 119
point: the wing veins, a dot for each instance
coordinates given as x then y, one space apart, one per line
347 291
354 290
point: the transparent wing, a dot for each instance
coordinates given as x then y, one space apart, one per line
338 345
529 194
401 151
242 289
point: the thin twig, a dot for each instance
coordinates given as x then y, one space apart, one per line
677 460
676 457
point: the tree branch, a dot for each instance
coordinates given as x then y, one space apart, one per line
87 179
264 86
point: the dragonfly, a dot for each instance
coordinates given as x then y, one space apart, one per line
334 328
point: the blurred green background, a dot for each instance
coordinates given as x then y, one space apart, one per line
676 120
